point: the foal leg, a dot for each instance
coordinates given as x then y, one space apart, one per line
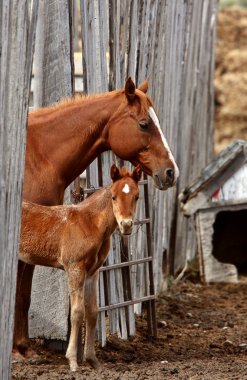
91 314
76 283
91 305
23 299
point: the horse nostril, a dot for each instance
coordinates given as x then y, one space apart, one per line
170 174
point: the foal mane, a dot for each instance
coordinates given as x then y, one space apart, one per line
103 194
124 172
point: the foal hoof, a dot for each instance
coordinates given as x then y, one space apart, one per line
31 354
73 367
17 357
93 362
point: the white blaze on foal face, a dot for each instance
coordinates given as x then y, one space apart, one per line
124 197
155 119
126 189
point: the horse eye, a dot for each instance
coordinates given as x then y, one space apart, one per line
143 124
137 197
113 198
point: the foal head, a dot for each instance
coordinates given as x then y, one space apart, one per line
135 135
125 193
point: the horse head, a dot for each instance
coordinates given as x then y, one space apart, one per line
134 134
125 193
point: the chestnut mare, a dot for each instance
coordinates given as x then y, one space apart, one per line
77 239
64 139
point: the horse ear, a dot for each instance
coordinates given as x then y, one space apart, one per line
144 86
137 173
115 173
130 89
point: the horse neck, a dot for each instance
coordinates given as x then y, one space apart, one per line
76 130
99 206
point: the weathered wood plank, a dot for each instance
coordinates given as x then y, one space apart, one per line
53 76
212 270
17 34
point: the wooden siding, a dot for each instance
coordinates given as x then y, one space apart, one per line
17 33
53 80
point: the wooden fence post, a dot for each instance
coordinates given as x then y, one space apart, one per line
17 33
53 80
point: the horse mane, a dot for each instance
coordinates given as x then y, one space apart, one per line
77 100
71 101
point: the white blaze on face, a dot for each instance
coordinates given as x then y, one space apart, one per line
155 119
126 189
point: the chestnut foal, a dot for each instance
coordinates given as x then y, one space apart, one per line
77 239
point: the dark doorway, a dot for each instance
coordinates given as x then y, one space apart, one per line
230 238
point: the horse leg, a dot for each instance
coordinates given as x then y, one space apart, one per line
76 283
91 315
91 305
23 299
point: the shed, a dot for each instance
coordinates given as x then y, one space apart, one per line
217 200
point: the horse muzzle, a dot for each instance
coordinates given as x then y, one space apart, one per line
165 179
126 226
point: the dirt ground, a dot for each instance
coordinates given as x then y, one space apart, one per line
202 335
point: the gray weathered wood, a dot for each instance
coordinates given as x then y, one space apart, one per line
183 62
222 168
53 81
195 147
17 33
211 269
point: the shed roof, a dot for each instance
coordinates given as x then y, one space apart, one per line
213 176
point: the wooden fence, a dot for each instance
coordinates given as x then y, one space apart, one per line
172 43
17 31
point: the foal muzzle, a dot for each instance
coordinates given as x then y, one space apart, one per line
125 226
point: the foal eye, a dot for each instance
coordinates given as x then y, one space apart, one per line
143 124
113 198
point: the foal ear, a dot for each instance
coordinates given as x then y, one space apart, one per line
130 89
137 173
115 173
144 86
